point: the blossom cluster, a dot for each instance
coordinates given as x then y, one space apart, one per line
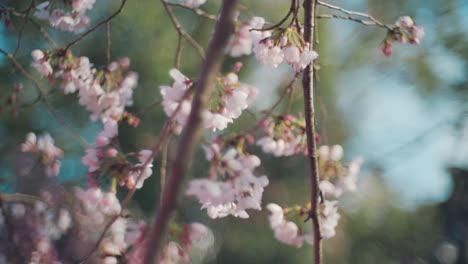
227 103
335 179
36 230
105 159
98 208
183 240
404 31
272 46
47 153
231 187
284 135
74 20
244 37
105 93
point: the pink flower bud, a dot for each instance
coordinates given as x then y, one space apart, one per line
112 152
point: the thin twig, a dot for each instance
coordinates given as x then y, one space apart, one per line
109 18
292 10
44 34
308 86
163 169
181 31
193 130
42 96
197 11
108 42
267 113
20 33
178 52
354 13
361 21
149 107
287 90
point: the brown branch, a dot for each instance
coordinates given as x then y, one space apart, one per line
178 52
163 169
287 91
181 31
361 21
109 18
354 13
164 136
292 10
308 86
192 132
108 42
197 11
45 35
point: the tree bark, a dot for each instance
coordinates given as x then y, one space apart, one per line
193 130
308 86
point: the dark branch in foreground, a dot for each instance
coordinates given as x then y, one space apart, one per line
193 130
308 85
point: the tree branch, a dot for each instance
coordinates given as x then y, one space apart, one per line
308 86
197 11
109 18
353 13
193 130
182 32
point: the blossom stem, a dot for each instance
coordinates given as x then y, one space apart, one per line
308 86
192 132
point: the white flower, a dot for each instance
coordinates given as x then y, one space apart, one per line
292 54
329 219
242 40
285 231
45 148
237 190
41 63
405 21
74 21
194 3
82 5
142 173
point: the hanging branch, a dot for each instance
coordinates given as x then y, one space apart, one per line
95 27
182 33
373 21
308 85
193 130
195 10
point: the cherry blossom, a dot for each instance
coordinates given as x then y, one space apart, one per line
286 231
404 30
98 208
104 93
336 178
184 239
227 103
231 187
41 63
74 21
280 45
284 135
47 153
242 41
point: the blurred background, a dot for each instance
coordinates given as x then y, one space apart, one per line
404 114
